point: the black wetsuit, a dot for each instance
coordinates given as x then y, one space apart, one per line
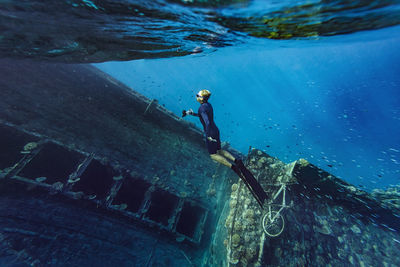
206 115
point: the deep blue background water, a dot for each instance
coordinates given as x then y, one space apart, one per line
334 101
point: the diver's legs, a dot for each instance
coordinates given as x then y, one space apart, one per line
220 159
226 154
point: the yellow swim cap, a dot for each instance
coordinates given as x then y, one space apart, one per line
204 93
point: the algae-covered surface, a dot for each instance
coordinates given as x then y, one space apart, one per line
319 230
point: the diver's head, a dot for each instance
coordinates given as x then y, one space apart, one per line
202 96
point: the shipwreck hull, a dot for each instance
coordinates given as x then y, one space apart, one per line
92 172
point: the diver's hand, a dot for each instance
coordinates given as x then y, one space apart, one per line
187 112
211 139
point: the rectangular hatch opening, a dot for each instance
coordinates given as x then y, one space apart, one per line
96 180
53 163
132 193
162 206
190 220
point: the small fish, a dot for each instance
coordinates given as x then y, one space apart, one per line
330 165
394 150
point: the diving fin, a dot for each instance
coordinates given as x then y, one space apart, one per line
252 183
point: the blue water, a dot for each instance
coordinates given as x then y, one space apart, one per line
318 80
333 101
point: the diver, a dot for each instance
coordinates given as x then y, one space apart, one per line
213 142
